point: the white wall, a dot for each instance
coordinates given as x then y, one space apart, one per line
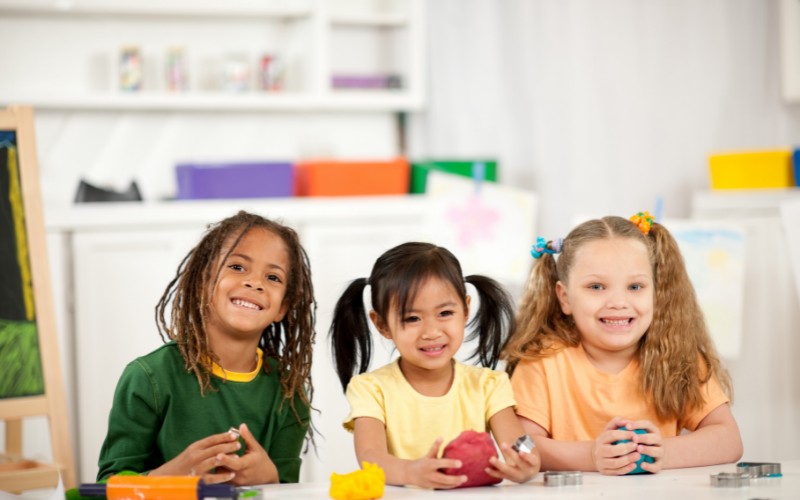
602 106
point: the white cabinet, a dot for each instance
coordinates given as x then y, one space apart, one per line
119 277
766 376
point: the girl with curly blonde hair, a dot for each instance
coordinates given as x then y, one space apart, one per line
611 358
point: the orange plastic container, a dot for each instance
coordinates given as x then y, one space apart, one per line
339 178
152 488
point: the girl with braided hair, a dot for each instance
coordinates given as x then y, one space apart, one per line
237 353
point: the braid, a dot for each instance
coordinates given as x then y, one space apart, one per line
288 342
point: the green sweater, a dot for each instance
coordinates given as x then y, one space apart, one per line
158 412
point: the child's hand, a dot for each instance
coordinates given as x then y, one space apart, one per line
424 472
614 460
519 467
651 444
200 457
254 467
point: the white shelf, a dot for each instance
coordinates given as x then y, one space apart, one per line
153 11
85 64
741 203
149 214
339 101
370 20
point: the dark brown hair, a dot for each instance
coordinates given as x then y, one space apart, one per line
396 278
669 351
288 342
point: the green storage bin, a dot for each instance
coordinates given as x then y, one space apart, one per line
420 169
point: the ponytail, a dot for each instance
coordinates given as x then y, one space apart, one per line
493 320
540 320
677 338
351 339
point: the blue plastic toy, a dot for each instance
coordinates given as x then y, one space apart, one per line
644 458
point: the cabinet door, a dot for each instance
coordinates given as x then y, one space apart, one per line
339 254
119 278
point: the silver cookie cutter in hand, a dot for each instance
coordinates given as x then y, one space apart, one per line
523 443
730 480
563 478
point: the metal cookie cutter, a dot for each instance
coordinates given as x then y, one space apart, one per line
523 443
563 478
235 432
759 469
730 480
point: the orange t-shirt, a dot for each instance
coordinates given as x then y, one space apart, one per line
573 400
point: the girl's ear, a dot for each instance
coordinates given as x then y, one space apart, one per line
563 298
282 312
380 325
466 309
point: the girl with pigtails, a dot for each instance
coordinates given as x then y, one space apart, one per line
403 412
611 359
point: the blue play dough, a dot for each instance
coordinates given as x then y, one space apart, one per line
644 458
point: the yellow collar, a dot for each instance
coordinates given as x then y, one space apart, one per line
222 373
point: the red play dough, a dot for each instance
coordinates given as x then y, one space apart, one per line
474 449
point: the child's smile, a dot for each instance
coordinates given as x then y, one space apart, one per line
238 301
616 323
433 350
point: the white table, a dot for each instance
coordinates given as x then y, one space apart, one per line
683 484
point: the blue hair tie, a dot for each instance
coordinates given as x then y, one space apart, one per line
542 247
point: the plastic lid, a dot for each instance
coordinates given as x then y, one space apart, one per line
215 491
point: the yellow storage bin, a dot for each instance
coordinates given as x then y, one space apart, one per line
766 169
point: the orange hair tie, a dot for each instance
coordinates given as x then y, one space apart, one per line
644 221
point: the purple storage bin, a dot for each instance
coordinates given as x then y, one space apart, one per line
366 81
234 180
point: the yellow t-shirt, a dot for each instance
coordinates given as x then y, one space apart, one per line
573 400
413 421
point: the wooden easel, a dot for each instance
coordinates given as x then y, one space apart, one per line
17 474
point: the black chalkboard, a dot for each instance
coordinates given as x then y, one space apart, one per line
30 367
19 342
